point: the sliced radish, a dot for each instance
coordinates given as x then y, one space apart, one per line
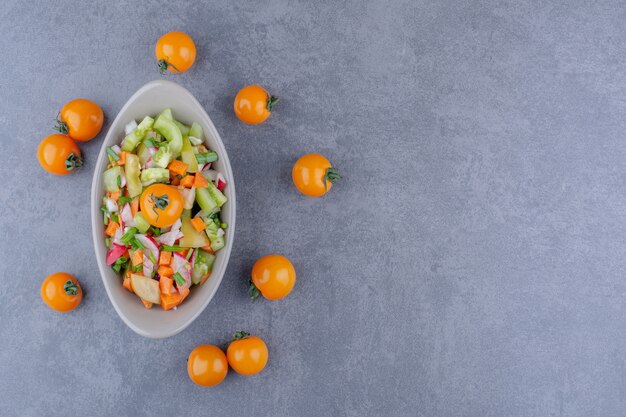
149 163
181 265
150 244
206 167
115 253
170 237
189 196
111 205
130 126
148 266
116 149
127 215
220 182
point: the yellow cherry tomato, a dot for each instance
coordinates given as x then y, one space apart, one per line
175 51
247 355
80 119
59 154
253 104
61 292
273 276
161 205
313 175
207 365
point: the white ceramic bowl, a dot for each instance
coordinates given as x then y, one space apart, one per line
156 323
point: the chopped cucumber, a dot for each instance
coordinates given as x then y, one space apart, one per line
218 243
141 223
184 129
205 201
131 169
188 157
171 132
163 156
203 265
150 175
167 113
196 131
143 153
217 195
131 141
111 179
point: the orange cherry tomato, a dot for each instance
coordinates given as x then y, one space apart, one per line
253 104
175 51
81 119
247 355
313 175
59 154
273 276
61 292
207 365
161 205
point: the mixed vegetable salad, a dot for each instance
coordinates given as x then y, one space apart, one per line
162 209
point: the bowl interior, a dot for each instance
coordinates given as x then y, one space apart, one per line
150 100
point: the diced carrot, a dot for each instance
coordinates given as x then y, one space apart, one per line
146 304
126 254
178 167
187 182
183 252
175 181
198 224
126 284
137 257
122 159
169 301
114 195
166 284
199 181
207 248
165 258
204 278
165 271
184 295
111 228
134 206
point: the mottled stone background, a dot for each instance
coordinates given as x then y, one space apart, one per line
471 263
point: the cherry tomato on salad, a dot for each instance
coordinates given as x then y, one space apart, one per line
175 51
253 104
61 292
58 154
273 276
313 175
247 355
207 365
80 119
161 205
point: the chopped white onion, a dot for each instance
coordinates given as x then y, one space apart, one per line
116 149
189 196
194 140
122 178
148 266
111 205
127 215
210 174
220 232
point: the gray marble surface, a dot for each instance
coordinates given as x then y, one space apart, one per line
471 263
